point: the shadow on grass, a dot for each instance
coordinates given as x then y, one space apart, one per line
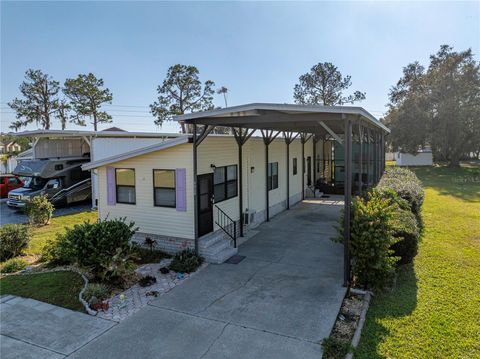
462 182
399 302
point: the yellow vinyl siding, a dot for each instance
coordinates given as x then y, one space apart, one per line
216 150
151 219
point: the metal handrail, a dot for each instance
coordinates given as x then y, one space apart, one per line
228 225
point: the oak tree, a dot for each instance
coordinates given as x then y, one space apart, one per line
438 106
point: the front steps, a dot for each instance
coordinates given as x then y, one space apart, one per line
216 247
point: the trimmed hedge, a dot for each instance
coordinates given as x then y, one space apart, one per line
407 185
385 227
405 229
371 238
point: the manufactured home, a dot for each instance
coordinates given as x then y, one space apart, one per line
205 191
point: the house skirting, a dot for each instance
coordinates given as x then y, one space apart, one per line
173 245
167 244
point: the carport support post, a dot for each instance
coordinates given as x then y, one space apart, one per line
289 138
315 141
195 194
288 174
241 137
240 185
360 175
369 156
268 137
303 166
383 153
304 139
348 195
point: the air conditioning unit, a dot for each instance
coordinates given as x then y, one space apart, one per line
248 216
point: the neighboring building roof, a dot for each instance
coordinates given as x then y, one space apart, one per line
76 133
138 152
114 129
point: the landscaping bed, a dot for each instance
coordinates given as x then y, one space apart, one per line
119 276
339 344
385 230
434 310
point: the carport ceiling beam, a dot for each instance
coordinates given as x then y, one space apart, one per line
330 131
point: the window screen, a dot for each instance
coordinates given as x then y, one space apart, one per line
125 183
225 183
164 188
272 175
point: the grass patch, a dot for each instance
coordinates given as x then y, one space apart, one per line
434 311
40 235
58 288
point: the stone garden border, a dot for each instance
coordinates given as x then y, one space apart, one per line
361 321
73 269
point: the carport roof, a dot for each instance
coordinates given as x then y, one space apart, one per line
284 117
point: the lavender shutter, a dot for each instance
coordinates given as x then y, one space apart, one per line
111 188
181 189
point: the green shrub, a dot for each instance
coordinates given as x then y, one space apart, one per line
186 261
145 255
14 239
98 291
405 229
406 184
39 210
371 237
104 247
14 265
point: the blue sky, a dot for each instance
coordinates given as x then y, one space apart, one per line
257 50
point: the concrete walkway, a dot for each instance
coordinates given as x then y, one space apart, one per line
33 329
279 302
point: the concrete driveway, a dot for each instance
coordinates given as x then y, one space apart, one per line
33 329
14 216
279 302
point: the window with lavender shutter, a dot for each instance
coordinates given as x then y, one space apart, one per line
181 189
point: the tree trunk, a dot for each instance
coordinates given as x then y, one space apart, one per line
454 161
94 121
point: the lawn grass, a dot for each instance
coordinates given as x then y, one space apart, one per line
42 234
58 288
434 310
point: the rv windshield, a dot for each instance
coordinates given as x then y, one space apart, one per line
35 183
